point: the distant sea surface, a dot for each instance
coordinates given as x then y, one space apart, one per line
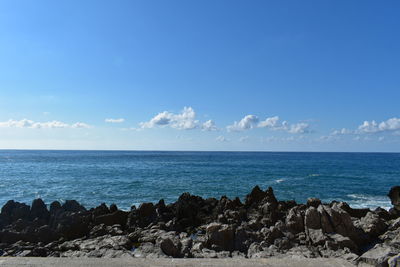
131 177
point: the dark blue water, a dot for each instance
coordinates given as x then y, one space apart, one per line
132 177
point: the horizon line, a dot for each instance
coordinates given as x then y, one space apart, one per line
224 151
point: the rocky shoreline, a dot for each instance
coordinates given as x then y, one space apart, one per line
193 227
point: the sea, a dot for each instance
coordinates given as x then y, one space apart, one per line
129 178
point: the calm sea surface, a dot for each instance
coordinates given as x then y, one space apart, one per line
132 177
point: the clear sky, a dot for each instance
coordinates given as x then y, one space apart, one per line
200 75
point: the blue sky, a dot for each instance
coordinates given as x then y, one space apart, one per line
200 75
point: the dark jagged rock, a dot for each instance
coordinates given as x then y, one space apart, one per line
394 195
255 196
117 217
72 205
197 227
39 210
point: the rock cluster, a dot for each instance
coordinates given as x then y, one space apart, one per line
260 227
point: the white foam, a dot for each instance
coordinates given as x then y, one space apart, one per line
367 201
278 181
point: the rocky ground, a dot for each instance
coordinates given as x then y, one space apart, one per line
194 227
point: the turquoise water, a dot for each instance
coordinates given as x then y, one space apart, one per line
132 177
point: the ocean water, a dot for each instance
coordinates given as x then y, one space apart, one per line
127 178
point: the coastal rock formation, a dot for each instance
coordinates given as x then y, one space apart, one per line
260 227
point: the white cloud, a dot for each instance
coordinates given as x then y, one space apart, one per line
343 131
25 123
209 126
248 122
299 128
120 120
252 121
182 121
271 122
389 125
222 139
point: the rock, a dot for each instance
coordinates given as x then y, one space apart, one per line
13 211
55 206
394 261
100 210
113 208
146 214
394 195
117 217
187 210
255 196
316 236
46 235
378 255
313 202
72 205
357 213
169 248
312 218
39 210
220 236
340 241
148 250
326 224
294 220
72 225
373 225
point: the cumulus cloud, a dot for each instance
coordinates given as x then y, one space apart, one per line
182 121
209 126
120 120
392 124
25 123
371 127
299 128
248 122
273 123
222 139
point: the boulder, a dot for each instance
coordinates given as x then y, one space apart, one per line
312 218
13 211
220 237
39 210
378 255
294 220
394 195
373 225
